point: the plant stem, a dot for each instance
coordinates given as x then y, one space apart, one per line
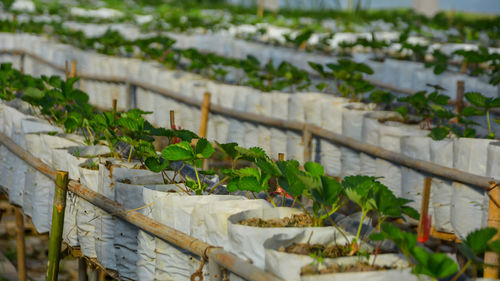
219 183
305 210
197 176
270 198
361 225
130 154
455 278
489 122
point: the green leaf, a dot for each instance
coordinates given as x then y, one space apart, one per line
315 169
33 93
497 121
267 166
251 153
435 265
204 149
79 96
229 149
289 180
477 99
471 111
178 152
439 133
329 192
478 240
403 111
154 164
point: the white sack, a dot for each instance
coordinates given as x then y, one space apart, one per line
332 121
352 124
279 106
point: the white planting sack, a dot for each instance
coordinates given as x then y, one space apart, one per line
237 127
225 98
131 196
401 270
330 152
469 206
109 174
209 220
279 111
493 163
370 134
86 214
412 186
11 126
146 243
69 159
173 263
352 125
39 189
248 242
390 134
287 266
442 189
195 89
302 107
252 131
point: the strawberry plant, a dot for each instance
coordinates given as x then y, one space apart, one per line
476 244
483 105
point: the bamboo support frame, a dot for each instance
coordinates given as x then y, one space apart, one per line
58 208
459 101
424 211
307 140
82 270
493 221
205 110
21 250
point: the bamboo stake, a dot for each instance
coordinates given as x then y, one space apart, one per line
66 69
57 225
493 221
72 72
21 62
260 8
424 212
281 157
21 253
115 104
459 103
172 120
82 270
205 109
102 275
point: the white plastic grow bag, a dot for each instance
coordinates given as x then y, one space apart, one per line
442 189
238 128
109 174
401 271
280 111
390 135
146 243
370 134
352 124
39 189
287 266
252 105
412 186
469 206
225 95
173 263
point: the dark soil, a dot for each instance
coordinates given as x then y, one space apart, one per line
300 220
333 251
335 268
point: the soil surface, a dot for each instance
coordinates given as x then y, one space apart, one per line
333 251
298 220
335 268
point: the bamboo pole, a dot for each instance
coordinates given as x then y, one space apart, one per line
66 69
72 72
172 120
459 102
205 109
102 275
493 221
115 104
21 252
21 62
82 270
57 225
424 212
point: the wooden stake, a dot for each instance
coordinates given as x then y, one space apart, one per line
459 104
281 157
57 225
82 270
72 72
172 120
205 109
424 212
260 8
102 275
66 69
21 62
21 253
306 139
115 104
493 221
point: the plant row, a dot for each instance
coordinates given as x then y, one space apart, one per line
61 104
